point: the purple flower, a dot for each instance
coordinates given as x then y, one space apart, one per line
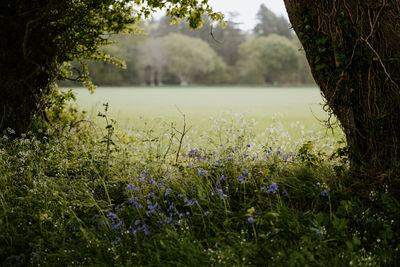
129 187
284 193
245 172
319 232
250 219
219 191
137 222
202 172
325 193
241 179
168 192
193 153
206 213
248 145
273 187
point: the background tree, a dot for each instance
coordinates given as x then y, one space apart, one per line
40 36
353 48
152 60
271 59
225 41
270 23
189 57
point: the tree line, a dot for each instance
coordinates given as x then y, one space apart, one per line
169 54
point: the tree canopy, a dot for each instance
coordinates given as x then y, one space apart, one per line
40 37
268 59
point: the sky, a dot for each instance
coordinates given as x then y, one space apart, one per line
247 9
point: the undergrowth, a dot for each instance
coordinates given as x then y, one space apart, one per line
80 195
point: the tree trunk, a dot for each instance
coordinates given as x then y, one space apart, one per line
353 48
26 69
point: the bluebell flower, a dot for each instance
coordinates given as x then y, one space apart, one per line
181 195
248 145
250 219
193 153
129 187
324 193
144 172
168 192
36 256
284 193
241 179
206 213
216 245
219 191
190 166
245 172
319 232
132 200
202 172
273 187
115 242
222 178
137 222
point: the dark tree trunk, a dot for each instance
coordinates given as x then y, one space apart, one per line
26 67
353 48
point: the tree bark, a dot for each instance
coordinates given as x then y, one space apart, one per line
353 48
26 67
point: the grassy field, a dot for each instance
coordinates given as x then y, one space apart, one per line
73 194
131 106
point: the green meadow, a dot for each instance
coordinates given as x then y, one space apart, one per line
132 106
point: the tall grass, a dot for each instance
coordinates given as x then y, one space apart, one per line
227 196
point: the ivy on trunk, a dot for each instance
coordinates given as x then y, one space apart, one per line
353 48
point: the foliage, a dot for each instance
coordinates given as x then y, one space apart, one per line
42 37
188 57
269 23
232 202
268 59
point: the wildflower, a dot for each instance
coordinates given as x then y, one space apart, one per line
219 191
144 172
250 219
325 193
193 153
241 179
248 145
245 172
202 172
115 242
137 222
36 256
284 193
273 187
132 200
168 192
216 245
319 232
206 213
181 195
129 187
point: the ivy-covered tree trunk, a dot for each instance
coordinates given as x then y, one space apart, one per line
353 48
